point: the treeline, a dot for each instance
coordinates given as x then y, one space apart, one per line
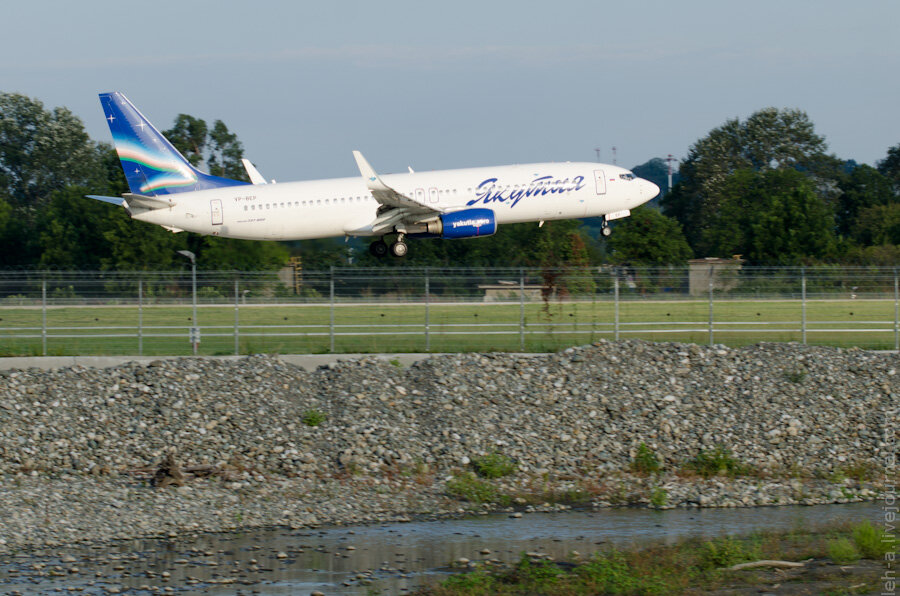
763 188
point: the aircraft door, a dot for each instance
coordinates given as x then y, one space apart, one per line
432 195
215 207
420 195
600 182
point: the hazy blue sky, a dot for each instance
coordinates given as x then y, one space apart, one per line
461 83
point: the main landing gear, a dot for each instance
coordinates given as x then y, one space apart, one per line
380 248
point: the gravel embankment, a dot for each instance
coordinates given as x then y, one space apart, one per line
72 439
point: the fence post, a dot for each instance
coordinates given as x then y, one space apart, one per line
896 312
427 313
616 302
44 316
140 317
711 337
237 317
803 304
331 318
521 310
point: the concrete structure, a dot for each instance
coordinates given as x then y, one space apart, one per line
723 273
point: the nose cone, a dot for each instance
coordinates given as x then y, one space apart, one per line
648 190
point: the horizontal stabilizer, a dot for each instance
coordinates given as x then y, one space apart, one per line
114 200
145 202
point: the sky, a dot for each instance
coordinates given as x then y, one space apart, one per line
437 85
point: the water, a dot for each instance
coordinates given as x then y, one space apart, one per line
395 558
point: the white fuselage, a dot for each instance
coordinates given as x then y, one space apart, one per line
344 206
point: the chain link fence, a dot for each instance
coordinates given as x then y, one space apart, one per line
349 310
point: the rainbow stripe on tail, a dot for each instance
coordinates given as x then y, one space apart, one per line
151 164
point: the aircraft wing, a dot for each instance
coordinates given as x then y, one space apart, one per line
389 197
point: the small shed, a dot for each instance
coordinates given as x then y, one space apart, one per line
722 273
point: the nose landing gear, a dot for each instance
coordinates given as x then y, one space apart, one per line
605 229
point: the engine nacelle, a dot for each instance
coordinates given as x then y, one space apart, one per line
467 223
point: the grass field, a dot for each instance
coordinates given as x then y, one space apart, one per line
110 330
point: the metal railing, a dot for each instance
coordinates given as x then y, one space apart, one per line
400 310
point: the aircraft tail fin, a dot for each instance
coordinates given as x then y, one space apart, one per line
151 164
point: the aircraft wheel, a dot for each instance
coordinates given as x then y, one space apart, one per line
606 231
379 248
399 249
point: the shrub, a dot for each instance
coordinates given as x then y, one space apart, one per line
842 551
645 461
313 417
795 376
470 488
659 497
872 542
725 552
717 461
494 465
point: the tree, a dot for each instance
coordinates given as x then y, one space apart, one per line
890 166
218 151
878 225
42 151
656 171
772 217
861 188
770 139
649 238
241 255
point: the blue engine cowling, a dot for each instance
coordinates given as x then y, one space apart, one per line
467 223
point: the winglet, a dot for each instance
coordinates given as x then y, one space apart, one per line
373 182
255 176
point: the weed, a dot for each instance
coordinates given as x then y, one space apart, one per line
718 461
859 471
795 376
313 417
469 487
842 551
494 465
395 362
659 497
645 461
872 542
725 552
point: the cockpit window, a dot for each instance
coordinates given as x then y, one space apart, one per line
627 176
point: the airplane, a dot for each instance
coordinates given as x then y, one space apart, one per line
165 189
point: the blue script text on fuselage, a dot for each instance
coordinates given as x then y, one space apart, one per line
489 192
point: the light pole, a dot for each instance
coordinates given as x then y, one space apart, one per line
195 329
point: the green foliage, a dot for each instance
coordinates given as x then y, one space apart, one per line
878 225
218 151
313 417
469 487
890 166
645 461
659 497
795 376
241 255
872 542
862 188
715 462
493 465
43 150
842 551
649 238
769 139
773 217
725 552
